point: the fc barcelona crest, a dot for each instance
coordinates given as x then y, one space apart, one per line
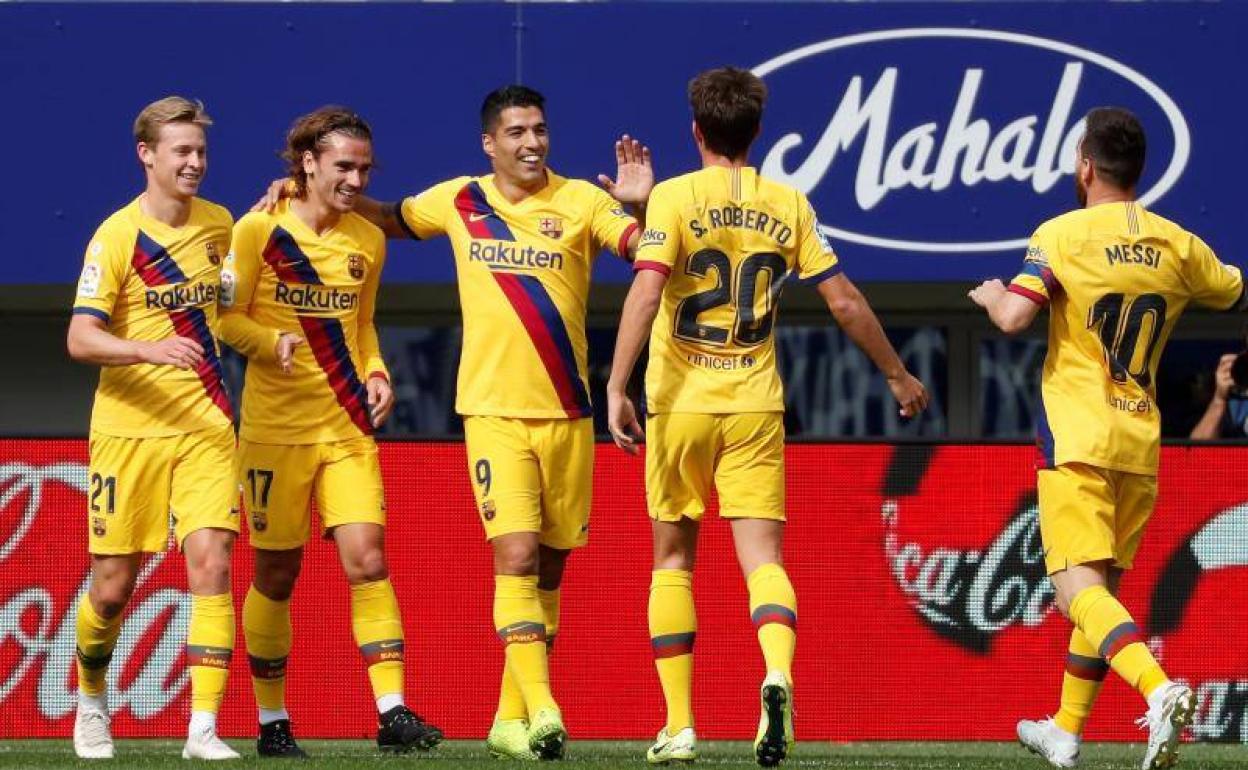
259 521
98 527
551 227
355 266
213 255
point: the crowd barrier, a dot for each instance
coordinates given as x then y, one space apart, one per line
924 612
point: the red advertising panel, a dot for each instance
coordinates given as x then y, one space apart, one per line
924 612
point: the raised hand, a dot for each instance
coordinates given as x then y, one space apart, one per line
634 175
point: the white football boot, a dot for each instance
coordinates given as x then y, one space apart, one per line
1170 709
681 747
203 743
92 739
1044 737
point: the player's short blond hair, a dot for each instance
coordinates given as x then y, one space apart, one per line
171 109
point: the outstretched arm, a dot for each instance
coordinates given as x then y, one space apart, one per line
1010 312
858 321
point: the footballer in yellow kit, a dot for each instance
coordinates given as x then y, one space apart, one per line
303 287
524 240
719 246
1115 278
147 281
306 433
162 438
524 271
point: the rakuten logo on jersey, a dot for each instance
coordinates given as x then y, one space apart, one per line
947 139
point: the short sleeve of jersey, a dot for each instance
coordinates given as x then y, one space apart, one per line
1037 281
660 242
1212 282
611 225
103 273
424 215
816 261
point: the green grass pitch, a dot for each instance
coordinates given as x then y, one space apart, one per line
604 755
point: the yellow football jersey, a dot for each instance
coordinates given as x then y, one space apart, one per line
1116 278
524 274
280 276
147 281
729 240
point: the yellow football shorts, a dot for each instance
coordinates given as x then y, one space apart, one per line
279 481
1090 514
742 455
138 486
532 475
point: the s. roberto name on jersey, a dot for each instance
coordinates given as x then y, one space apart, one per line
952 140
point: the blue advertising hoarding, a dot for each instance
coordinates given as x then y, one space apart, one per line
931 138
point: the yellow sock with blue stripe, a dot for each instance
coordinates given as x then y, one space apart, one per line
267 631
209 648
378 630
1110 628
97 636
773 608
1085 672
522 630
673 627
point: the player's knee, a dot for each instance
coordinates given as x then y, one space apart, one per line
211 573
109 599
1062 602
368 567
515 558
276 578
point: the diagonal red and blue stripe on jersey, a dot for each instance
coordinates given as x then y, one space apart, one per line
325 336
287 260
155 267
479 216
541 319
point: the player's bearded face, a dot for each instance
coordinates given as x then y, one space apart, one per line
519 145
339 175
177 162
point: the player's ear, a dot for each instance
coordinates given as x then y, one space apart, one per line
309 162
697 133
145 154
487 145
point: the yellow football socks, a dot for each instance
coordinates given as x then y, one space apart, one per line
96 639
510 699
1085 671
378 631
1108 626
518 621
773 608
209 647
266 629
673 626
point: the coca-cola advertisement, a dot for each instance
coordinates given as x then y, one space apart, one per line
918 569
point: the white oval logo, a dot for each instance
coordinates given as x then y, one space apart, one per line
1032 148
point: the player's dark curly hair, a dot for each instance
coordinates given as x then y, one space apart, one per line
728 107
508 96
310 133
1115 144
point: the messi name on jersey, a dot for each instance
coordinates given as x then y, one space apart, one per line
499 256
181 296
311 298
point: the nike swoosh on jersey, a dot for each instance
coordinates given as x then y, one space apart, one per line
475 217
